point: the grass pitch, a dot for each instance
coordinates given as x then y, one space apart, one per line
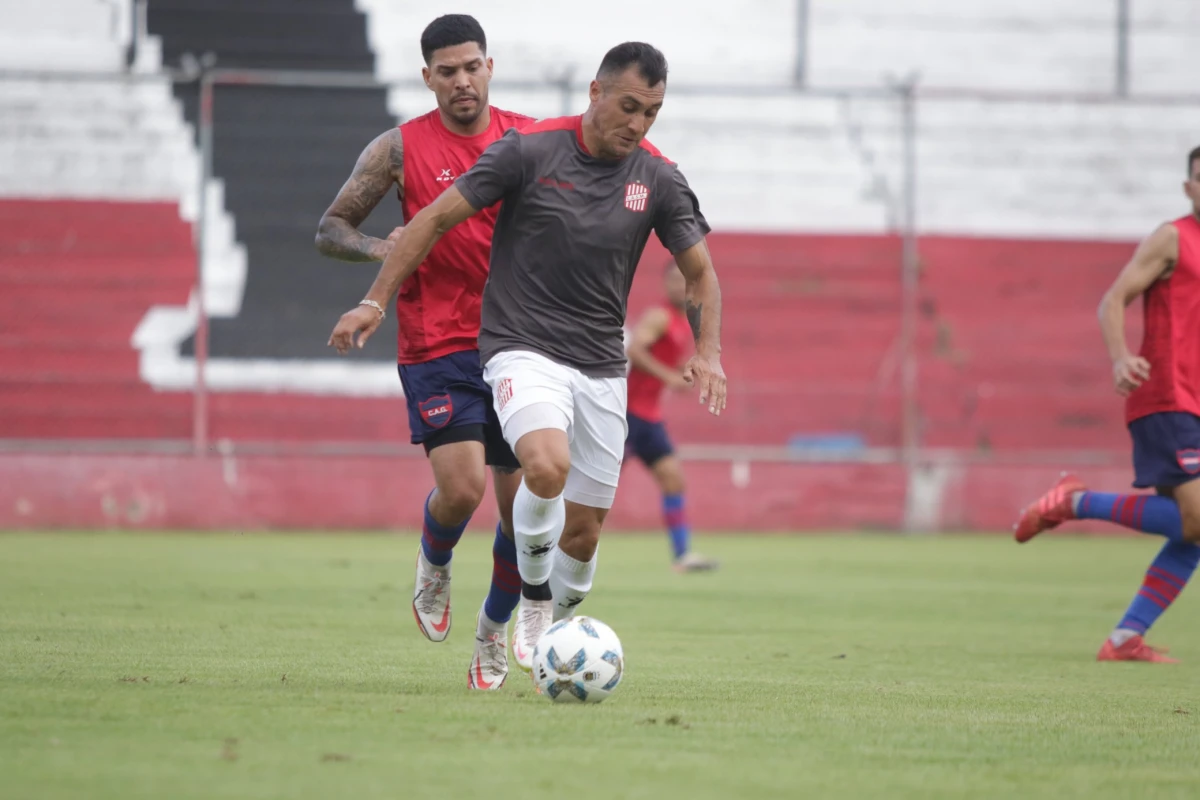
146 666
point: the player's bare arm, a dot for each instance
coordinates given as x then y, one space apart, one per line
703 309
420 235
649 329
378 169
1153 260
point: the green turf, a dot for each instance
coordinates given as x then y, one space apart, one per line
868 666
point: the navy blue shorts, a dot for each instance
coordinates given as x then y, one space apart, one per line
449 402
1166 449
647 440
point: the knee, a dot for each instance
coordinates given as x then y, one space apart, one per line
545 470
580 541
461 495
1191 529
670 476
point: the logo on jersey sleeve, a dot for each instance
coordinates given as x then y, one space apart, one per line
1189 461
436 411
447 176
636 195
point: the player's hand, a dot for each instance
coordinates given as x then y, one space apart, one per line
705 373
678 383
385 245
1130 372
360 322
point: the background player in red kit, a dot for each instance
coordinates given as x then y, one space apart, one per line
1162 387
657 348
450 408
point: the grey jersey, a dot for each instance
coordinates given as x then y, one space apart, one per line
568 238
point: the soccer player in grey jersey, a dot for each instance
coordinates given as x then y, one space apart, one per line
580 197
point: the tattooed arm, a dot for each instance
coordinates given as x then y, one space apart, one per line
380 167
703 298
703 310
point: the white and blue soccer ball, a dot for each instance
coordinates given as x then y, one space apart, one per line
578 660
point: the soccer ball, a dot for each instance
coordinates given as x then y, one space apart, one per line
578 660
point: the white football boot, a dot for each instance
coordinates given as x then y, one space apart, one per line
533 618
489 665
431 599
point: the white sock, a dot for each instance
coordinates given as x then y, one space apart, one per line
487 624
570 582
537 524
1121 635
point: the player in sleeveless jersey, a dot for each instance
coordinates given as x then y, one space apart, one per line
450 410
656 354
581 196
1162 409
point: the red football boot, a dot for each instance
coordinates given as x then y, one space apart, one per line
1134 649
1050 511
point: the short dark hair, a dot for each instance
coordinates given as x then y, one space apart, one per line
650 62
451 30
1193 157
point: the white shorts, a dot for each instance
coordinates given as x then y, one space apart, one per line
593 412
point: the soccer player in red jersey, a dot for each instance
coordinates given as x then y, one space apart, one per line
656 352
450 409
1162 408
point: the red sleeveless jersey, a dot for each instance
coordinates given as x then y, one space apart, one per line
437 308
645 390
1171 336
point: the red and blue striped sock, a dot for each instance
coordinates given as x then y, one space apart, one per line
677 526
1147 513
438 540
505 593
1168 574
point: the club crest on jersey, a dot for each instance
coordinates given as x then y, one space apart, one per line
436 411
1189 461
636 195
447 176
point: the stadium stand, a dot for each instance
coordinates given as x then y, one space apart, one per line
803 190
99 182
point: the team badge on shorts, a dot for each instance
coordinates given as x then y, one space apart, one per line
1189 461
503 392
436 411
636 195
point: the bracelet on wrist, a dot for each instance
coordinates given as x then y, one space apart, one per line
376 306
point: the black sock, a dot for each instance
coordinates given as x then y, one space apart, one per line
536 591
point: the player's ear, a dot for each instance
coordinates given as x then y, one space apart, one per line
425 75
489 66
595 90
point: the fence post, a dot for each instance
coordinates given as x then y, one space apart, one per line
800 69
909 300
200 391
1122 66
141 30
566 86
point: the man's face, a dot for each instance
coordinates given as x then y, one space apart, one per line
459 78
624 108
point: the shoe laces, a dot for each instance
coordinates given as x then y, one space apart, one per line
433 584
492 652
532 617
